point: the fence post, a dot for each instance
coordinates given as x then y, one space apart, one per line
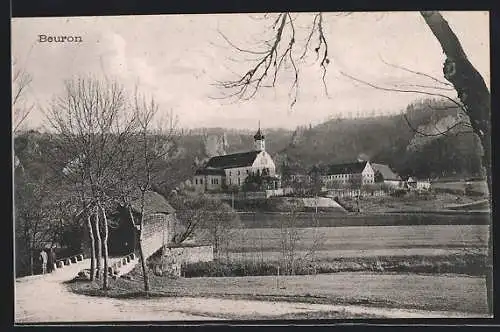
278 278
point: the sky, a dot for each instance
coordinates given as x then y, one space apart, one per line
179 58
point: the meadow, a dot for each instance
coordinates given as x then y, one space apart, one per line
369 240
428 267
407 249
474 187
404 291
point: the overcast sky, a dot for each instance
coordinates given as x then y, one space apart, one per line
178 58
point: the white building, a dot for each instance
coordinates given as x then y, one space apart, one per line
232 169
423 185
357 173
418 184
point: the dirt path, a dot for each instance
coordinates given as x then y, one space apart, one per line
46 299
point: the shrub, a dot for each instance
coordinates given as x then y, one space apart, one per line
229 269
473 264
398 193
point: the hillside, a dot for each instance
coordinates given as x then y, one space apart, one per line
383 139
390 140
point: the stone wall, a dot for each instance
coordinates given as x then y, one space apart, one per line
189 254
156 232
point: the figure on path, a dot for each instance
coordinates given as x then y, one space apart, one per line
52 259
44 258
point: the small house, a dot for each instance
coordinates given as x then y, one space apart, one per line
415 184
423 185
384 174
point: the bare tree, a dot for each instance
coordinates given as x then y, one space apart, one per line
143 162
41 205
219 222
290 236
32 219
91 125
206 217
191 212
458 70
21 81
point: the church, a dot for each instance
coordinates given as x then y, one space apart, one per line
231 170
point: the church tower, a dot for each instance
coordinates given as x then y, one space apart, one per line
260 142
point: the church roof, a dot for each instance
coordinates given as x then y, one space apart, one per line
210 171
349 168
258 135
386 172
243 159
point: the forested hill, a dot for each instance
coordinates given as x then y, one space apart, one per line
390 140
383 139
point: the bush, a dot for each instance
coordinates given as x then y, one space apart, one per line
471 264
398 193
426 195
229 269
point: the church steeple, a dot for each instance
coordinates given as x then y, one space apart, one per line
260 143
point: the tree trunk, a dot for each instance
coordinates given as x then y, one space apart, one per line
31 261
216 243
92 248
475 97
138 229
99 245
105 284
143 262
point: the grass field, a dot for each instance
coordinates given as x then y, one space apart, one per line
337 241
424 248
409 286
475 187
406 291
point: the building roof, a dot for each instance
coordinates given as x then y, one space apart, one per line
386 172
349 168
244 159
210 171
258 135
153 203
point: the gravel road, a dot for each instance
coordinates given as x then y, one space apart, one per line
42 299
